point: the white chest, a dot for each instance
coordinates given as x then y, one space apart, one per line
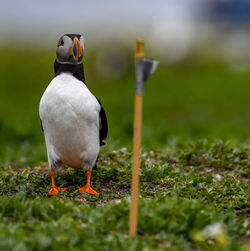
70 117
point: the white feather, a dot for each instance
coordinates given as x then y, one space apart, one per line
70 118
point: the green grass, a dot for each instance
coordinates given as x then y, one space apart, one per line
195 166
184 190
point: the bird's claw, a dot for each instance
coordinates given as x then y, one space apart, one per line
55 190
87 189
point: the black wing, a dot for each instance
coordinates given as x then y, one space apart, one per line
41 124
103 125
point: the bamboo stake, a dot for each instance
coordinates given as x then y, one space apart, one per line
136 149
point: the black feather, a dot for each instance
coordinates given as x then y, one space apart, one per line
75 69
72 36
104 124
41 124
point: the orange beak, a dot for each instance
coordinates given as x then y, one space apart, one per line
76 50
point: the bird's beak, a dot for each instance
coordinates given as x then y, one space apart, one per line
76 49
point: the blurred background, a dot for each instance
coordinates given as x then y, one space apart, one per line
200 90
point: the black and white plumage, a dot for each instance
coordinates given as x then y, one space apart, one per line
73 119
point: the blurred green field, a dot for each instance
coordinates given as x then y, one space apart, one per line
195 159
197 98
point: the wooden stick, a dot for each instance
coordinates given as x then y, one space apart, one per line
136 150
139 55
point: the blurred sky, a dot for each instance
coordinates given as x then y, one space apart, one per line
47 19
172 28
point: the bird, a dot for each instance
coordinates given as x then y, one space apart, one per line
73 120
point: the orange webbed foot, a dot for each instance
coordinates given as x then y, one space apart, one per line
87 189
55 190
63 189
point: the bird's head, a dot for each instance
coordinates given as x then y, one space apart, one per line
70 49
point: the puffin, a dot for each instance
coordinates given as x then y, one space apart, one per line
72 118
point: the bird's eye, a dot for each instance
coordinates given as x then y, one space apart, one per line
62 43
